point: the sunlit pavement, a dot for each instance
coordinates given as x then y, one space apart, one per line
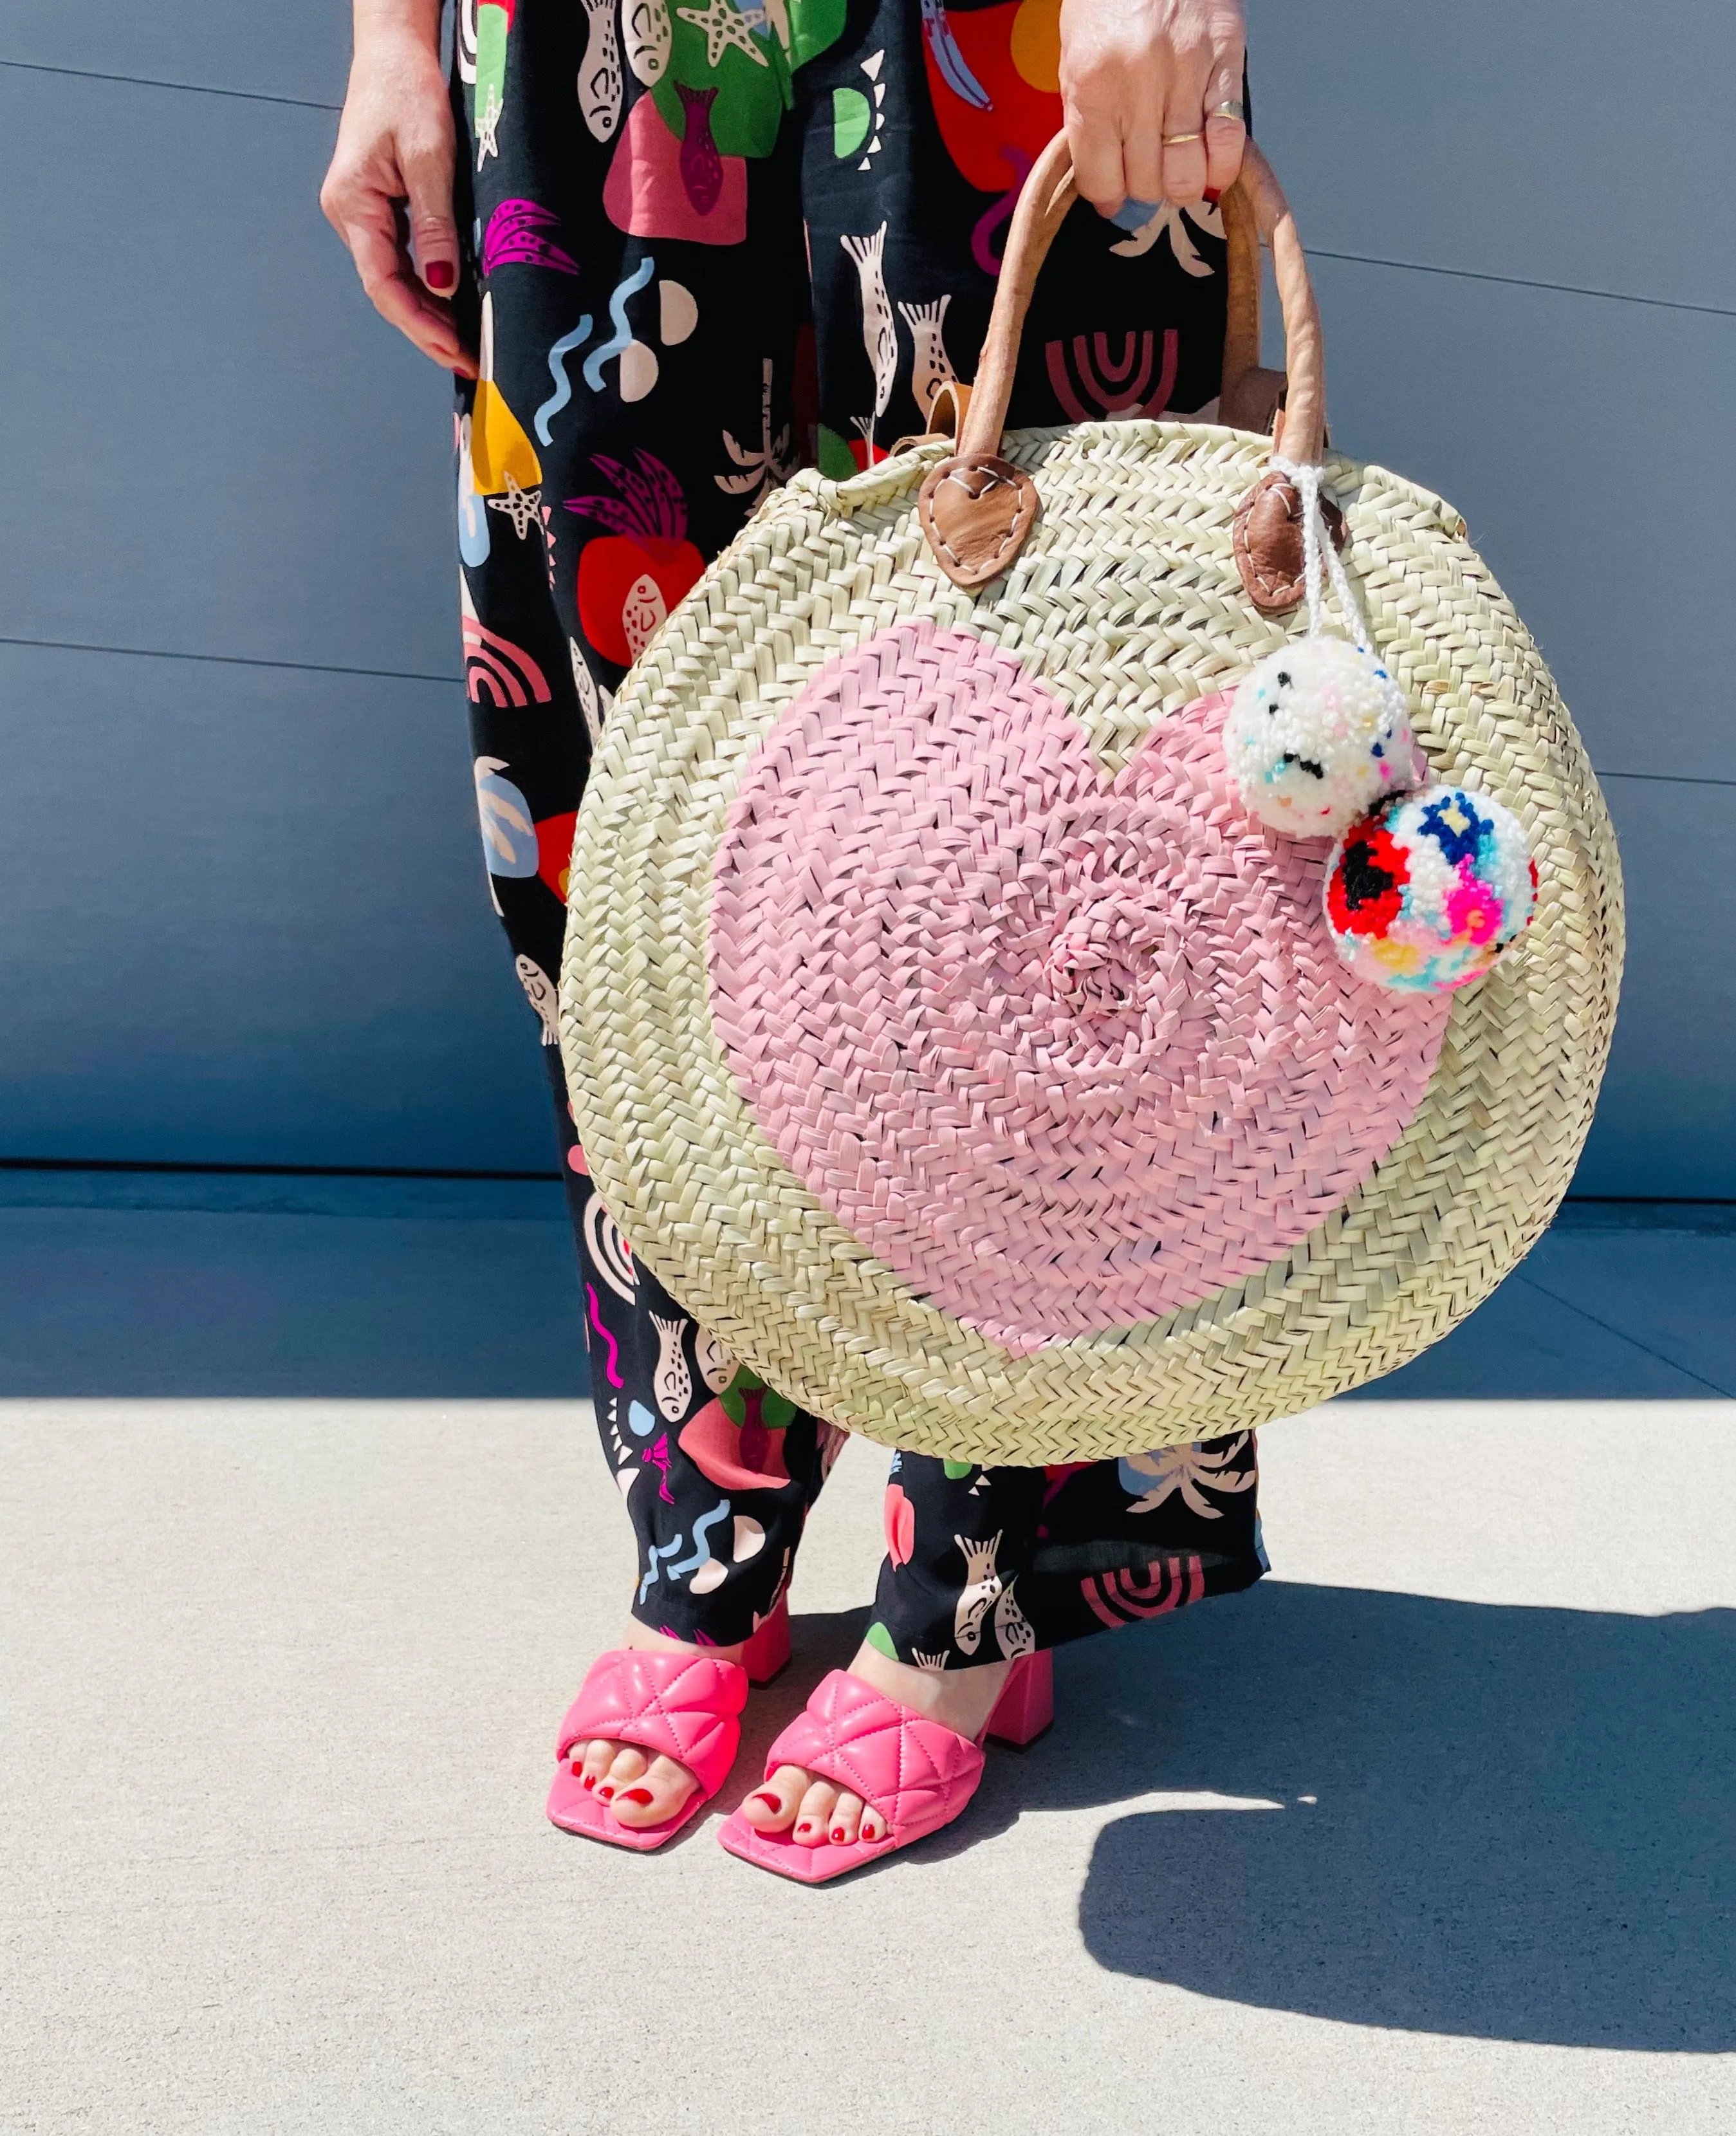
305 1542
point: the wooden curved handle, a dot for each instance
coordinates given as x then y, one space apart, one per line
964 500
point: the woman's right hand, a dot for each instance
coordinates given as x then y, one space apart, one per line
388 193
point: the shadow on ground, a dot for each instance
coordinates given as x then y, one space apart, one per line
1439 1817
1513 1824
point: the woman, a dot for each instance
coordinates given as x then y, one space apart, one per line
671 251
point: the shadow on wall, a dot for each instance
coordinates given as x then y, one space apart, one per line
1505 1824
189 1285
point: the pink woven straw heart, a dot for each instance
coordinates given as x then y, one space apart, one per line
1064 1053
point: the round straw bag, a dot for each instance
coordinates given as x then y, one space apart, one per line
941 1027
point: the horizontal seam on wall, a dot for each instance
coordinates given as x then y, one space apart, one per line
1525 282
1668 778
154 81
421 675
229 660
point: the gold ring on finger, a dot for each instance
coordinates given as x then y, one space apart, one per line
1176 140
1231 108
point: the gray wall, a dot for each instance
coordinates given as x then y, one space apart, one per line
241 912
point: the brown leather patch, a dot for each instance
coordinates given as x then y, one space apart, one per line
976 511
1269 542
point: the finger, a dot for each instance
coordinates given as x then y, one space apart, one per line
1096 161
1184 126
399 300
426 168
1142 145
1226 137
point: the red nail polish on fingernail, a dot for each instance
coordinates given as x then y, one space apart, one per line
438 274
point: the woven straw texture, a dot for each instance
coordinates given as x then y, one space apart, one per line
1316 1226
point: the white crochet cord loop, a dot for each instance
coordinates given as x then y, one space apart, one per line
1318 547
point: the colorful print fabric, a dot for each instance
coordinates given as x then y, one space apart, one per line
709 243
718 1471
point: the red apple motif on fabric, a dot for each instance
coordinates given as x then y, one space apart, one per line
737 1440
631 577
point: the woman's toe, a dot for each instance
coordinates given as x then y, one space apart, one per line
627 1765
873 1827
592 1760
846 1817
772 1805
813 1818
655 1797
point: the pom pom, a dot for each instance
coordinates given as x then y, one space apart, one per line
1425 893
1316 733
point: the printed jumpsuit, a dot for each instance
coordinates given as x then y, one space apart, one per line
708 243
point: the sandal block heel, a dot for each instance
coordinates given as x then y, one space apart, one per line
1025 1707
766 1654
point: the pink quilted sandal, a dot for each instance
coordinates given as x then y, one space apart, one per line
917 1775
684 1707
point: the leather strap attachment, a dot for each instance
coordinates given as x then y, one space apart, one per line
976 508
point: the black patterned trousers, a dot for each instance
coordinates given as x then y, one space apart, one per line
708 243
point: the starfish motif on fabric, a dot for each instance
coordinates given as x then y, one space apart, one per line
724 25
488 127
523 507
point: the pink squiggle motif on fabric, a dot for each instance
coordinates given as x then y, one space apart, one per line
1064 1053
987 223
612 1370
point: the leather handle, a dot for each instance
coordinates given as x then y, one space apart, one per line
976 508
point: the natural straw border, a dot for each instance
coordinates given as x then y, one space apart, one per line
1126 600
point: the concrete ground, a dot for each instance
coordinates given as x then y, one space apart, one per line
304 1543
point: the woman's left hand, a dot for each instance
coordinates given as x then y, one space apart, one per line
1152 92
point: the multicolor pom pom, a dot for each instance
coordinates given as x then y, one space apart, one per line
1316 733
1423 894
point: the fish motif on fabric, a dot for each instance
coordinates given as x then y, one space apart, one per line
933 367
539 993
599 72
648 30
585 687
701 167
716 1366
981 1587
880 336
673 1381
1013 1633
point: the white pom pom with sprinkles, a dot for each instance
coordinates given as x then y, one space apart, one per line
1424 893
1317 733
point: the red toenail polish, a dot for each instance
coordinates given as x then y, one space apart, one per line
605 1793
636 1795
770 1801
804 1826
837 1832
